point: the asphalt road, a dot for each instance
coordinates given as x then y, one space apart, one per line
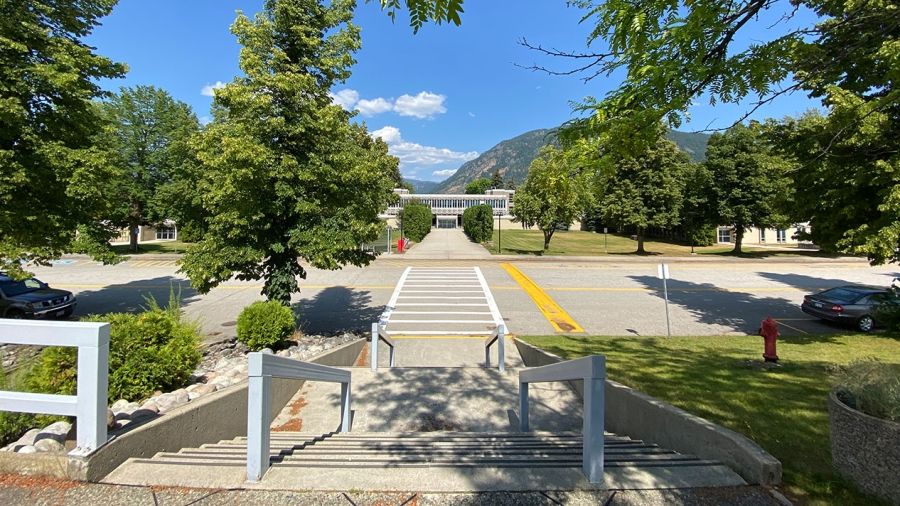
610 297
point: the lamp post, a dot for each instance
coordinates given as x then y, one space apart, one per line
499 234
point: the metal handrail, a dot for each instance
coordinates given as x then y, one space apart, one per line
88 405
499 337
262 367
592 370
380 334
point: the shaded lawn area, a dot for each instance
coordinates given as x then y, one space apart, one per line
784 410
153 247
580 243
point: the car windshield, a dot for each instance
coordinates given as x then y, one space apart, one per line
840 295
12 288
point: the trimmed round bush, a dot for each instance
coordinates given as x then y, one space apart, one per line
265 324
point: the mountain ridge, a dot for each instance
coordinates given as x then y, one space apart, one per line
512 157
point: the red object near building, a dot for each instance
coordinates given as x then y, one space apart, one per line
769 332
400 245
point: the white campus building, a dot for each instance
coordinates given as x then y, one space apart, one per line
447 209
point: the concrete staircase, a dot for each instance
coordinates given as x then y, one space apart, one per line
438 422
434 461
429 429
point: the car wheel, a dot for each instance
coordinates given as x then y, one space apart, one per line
865 323
68 312
15 314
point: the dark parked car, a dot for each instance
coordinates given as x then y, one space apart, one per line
31 298
857 305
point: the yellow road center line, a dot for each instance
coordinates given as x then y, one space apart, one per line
556 315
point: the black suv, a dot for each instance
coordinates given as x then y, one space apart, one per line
31 298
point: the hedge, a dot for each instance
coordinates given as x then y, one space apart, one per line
478 222
415 219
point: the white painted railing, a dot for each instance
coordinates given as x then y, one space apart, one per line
89 404
499 337
379 334
262 367
593 371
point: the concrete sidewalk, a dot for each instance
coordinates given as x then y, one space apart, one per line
40 492
446 244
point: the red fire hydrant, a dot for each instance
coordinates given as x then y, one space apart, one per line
769 332
400 245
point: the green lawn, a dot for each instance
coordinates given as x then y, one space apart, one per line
153 247
783 410
578 243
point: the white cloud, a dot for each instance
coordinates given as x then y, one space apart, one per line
389 134
205 120
444 173
346 98
374 106
413 154
209 89
471 114
423 105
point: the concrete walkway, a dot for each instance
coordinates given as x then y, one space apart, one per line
445 244
39 491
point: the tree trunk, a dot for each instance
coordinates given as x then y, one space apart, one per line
640 241
738 240
133 238
548 234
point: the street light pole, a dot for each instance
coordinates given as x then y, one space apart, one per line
499 234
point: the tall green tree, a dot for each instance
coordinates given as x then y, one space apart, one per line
554 194
698 210
749 180
285 175
150 137
645 190
848 188
496 180
478 186
52 165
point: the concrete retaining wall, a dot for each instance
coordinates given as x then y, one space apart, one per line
207 419
639 416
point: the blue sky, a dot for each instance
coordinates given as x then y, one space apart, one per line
439 97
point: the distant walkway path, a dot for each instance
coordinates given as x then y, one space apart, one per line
446 244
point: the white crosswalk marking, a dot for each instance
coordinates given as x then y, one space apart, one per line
441 301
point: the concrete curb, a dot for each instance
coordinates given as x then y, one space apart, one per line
640 416
207 419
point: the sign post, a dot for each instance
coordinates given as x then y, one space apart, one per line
605 246
389 239
662 271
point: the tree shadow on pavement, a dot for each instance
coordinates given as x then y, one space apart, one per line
811 284
132 296
709 304
337 309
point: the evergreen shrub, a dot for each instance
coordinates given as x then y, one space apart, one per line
415 219
478 222
265 324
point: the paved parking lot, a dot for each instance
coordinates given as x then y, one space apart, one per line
603 297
